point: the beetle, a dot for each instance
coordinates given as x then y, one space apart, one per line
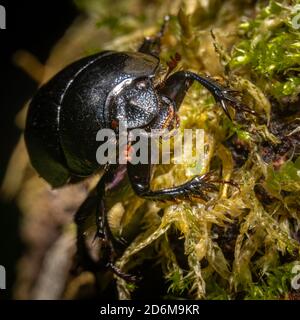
96 92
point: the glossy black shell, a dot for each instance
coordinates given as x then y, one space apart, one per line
67 112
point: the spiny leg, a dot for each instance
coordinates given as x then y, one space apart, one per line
151 45
140 174
140 178
176 86
103 231
109 180
83 256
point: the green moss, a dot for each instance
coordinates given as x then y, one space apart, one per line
274 284
287 178
270 49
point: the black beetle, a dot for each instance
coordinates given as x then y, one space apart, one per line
96 92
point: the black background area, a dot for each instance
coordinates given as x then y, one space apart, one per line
34 26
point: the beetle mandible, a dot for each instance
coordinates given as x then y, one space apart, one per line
96 92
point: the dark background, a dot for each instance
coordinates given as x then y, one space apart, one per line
34 26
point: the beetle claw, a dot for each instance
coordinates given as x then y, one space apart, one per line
125 276
196 187
99 235
225 95
225 108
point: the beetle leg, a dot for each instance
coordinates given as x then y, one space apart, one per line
151 45
84 258
140 176
176 86
103 230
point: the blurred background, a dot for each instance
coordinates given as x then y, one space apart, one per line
34 26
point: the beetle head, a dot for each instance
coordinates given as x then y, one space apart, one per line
133 101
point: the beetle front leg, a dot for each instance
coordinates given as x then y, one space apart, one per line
176 86
140 177
151 45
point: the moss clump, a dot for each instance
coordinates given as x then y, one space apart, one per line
269 51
